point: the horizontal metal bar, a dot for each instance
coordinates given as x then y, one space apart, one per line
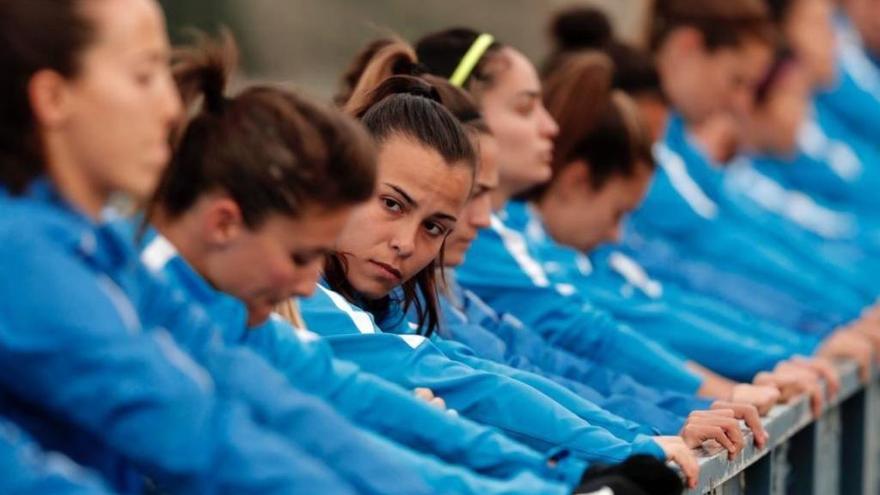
781 424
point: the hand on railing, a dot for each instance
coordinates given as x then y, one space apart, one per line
678 452
749 414
793 380
719 425
761 396
868 326
826 370
850 343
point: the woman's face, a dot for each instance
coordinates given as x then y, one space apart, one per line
477 214
281 258
513 109
773 126
111 122
592 217
810 31
701 82
418 200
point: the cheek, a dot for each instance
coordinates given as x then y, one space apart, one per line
426 251
364 224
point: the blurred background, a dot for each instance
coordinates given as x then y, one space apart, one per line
308 43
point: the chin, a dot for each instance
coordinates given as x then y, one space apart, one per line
372 290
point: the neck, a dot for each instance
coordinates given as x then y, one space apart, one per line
179 232
549 207
73 184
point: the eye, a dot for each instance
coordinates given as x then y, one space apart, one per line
525 109
392 205
435 229
304 259
146 74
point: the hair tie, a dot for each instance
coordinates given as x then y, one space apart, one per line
471 59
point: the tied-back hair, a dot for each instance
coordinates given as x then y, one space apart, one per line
599 126
387 57
35 35
579 29
389 104
271 150
440 53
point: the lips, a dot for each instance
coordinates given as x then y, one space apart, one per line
389 270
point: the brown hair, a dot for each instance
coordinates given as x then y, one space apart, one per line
578 29
271 150
441 53
35 35
599 126
386 57
722 23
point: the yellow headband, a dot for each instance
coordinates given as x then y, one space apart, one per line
471 59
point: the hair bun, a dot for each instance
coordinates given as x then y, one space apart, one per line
409 85
406 67
581 27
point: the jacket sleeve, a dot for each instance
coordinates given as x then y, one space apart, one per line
619 427
146 398
515 408
385 408
511 281
368 461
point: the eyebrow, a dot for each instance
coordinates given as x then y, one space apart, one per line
406 197
413 204
445 216
529 94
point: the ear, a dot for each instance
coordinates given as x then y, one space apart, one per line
48 94
574 179
222 221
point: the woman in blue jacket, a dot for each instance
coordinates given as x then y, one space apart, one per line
488 336
590 160
684 205
283 246
854 97
152 411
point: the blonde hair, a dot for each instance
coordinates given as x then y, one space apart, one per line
289 311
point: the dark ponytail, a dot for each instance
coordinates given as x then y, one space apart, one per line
587 28
35 35
271 150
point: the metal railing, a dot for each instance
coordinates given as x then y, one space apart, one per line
836 453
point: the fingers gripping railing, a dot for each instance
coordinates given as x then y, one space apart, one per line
837 453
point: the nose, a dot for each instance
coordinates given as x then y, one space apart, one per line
403 243
169 103
548 126
481 212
